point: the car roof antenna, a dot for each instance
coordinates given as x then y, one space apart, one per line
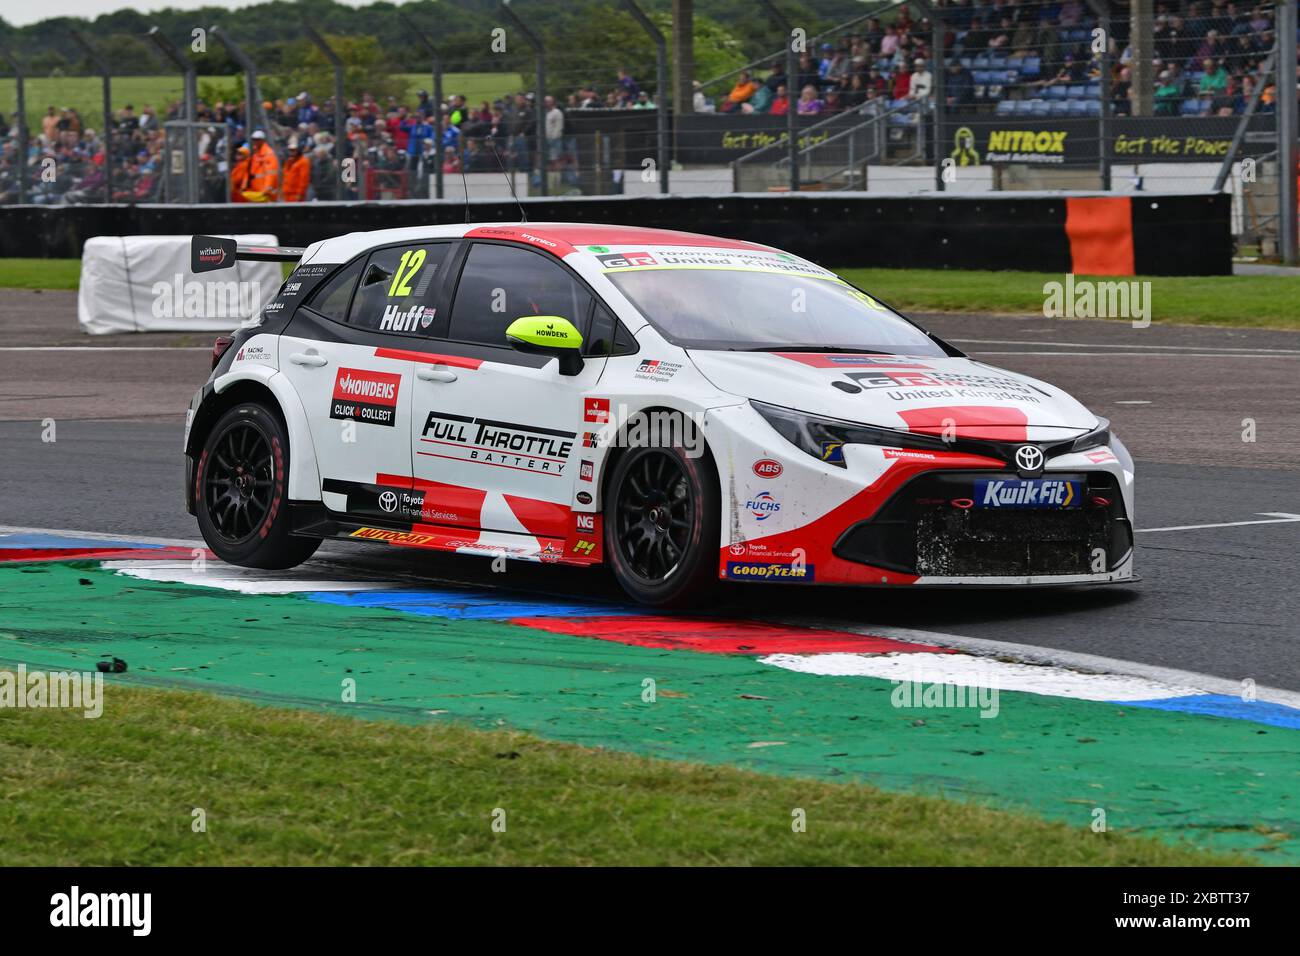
510 180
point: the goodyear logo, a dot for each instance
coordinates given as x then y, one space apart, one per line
759 571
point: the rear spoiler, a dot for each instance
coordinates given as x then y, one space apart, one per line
208 253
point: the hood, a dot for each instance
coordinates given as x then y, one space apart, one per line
910 393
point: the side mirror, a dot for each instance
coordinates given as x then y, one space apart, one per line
551 335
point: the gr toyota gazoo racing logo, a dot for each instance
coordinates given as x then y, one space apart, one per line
365 396
626 260
957 385
504 444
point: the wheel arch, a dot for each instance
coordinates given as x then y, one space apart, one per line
267 387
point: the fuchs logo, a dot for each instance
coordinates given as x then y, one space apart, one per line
365 396
768 468
626 260
584 523
397 320
762 506
596 410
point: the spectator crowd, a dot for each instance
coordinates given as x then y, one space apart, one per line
1008 56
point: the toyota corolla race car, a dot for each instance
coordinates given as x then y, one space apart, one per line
679 407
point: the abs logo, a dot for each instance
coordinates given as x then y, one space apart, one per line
762 506
768 468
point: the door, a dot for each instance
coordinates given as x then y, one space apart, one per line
344 354
497 433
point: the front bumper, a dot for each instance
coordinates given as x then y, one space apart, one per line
932 528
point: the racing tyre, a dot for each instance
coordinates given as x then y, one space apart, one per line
662 515
240 487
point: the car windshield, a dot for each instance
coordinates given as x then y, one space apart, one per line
751 310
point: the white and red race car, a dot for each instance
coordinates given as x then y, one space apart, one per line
680 407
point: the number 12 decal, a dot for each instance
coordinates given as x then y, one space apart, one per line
412 259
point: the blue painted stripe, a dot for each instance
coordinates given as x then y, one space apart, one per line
40 540
478 605
1221 705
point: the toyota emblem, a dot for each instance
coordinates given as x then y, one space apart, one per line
1029 459
388 501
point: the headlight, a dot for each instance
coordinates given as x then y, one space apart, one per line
1097 438
825 438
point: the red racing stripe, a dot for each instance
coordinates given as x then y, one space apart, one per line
428 358
989 422
722 636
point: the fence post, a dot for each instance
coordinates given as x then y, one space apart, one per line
22 123
252 95
661 95
938 66
190 81
339 120
106 73
536 44
437 99
791 94
1287 132
1101 8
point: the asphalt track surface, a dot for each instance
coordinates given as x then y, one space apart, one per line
1222 601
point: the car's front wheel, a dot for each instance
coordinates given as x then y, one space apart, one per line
661 526
240 491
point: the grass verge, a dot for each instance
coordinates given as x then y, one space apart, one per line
291 787
1241 301
1257 301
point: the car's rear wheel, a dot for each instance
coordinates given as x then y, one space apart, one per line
661 526
240 491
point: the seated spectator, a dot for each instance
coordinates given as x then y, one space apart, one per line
902 83
922 82
780 102
809 104
760 102
1169 94
740 93
959 86
1215 81
832 103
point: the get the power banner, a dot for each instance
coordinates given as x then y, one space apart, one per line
1048 141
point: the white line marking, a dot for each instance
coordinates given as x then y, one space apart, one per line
103 536
1102 345
1272 517
1034 654
966 670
